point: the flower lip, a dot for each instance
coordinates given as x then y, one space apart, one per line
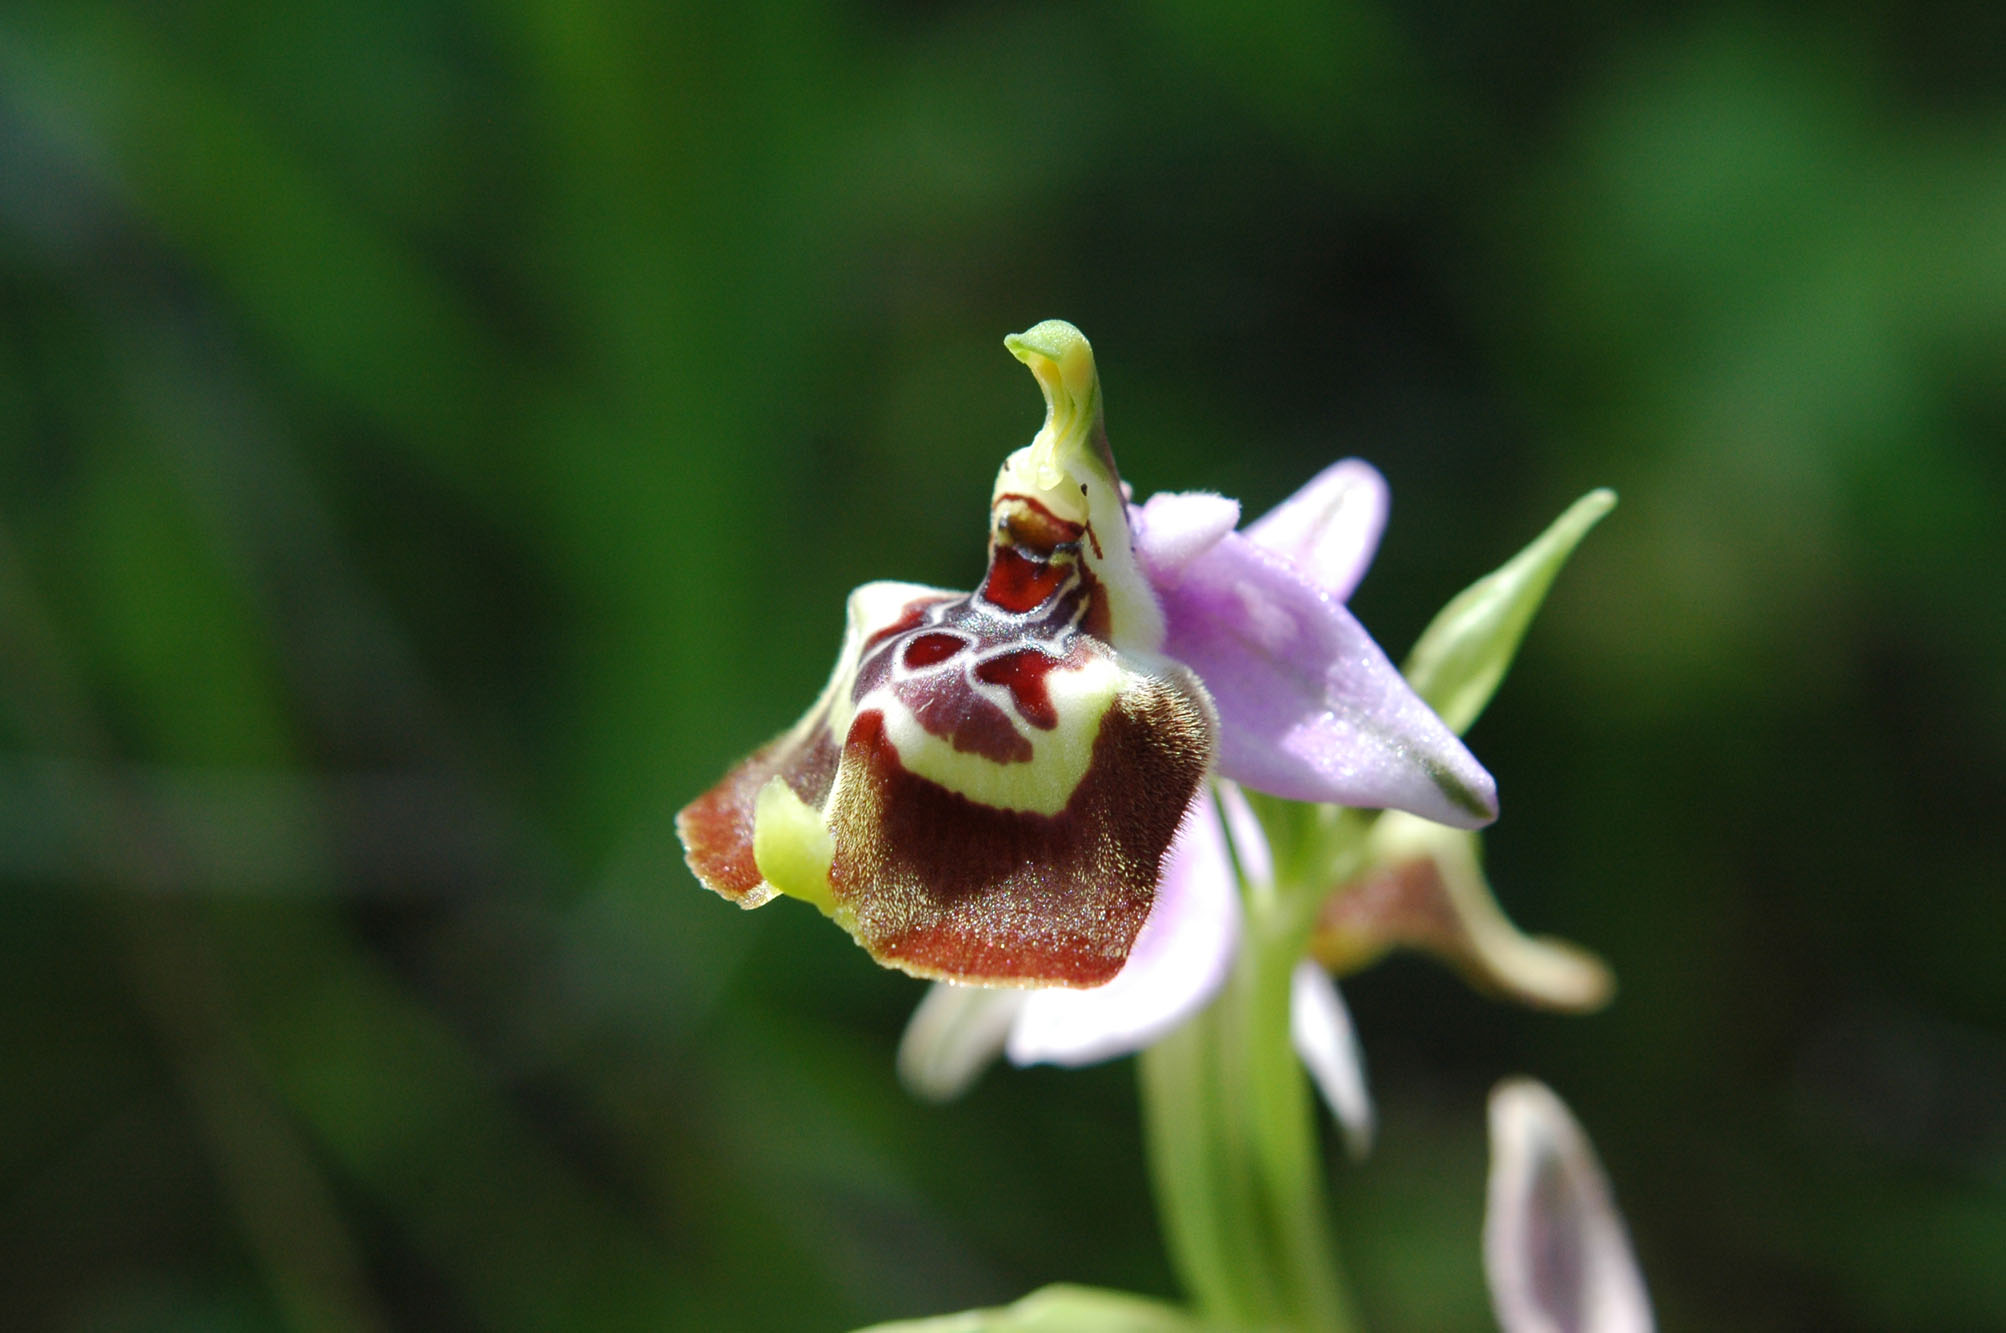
989 785
988 788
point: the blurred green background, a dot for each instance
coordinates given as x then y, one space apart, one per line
436 439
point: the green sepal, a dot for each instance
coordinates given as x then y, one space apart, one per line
1061 1308
1463 655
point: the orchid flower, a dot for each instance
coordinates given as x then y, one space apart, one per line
1423 887
989 787
1322 538
1040 795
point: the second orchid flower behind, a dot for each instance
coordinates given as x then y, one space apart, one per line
988 789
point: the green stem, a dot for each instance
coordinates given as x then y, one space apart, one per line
1235 1154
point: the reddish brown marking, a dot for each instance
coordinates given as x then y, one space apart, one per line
1097 621
931 650
716 828
948 707
943 886
944 702
1020 584
1023 674
912 618
1034 527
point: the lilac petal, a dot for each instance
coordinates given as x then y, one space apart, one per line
1320 1026
955 1034
1250 841
1329 528
1176 527
1555 1252
1179 960
1310 709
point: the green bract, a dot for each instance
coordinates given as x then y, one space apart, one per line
1463 655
